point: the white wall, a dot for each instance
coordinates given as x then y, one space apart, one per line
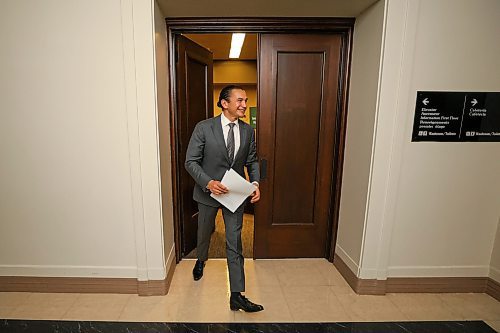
434 207
365 68
75 107
161 56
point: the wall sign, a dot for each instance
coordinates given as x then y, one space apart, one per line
449 116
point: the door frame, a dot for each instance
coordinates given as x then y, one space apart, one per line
343 26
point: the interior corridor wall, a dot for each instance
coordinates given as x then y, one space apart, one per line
76 108
363 93
448 196
495 257
438 201
162 89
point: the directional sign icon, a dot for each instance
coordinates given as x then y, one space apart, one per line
425 101
474 102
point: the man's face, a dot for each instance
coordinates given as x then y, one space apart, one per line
236 106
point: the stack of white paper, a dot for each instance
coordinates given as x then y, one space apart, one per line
239 189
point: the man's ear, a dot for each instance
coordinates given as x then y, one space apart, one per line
224 103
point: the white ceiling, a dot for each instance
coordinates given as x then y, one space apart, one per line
264 8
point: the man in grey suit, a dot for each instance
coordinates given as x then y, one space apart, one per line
218 144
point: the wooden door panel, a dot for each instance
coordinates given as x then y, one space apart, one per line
194 72
296 141
296 134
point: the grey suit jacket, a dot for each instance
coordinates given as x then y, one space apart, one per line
207 158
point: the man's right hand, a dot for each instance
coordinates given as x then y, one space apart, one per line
216 187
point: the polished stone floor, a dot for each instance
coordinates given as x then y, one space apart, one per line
16 326
292 291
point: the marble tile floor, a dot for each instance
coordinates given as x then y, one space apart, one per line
36 326
292 291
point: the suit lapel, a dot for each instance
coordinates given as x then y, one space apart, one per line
219 136
243 139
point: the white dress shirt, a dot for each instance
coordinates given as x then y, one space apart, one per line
236 130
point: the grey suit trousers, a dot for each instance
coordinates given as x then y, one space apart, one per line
234 252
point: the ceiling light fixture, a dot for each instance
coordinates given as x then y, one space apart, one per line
236 44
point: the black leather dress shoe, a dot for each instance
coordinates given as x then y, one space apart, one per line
198 270
240 302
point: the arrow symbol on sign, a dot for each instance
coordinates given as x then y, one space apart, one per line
425 101
474 102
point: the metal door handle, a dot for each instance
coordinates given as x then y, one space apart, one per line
263 169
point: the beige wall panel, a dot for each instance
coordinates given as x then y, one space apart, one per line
162 97
65 182
447 209
495 257
367 45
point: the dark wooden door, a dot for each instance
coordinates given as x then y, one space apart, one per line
298 117
194 73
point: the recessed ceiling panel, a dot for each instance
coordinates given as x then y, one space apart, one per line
220 44
264 8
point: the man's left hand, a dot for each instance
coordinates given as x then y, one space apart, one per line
255 196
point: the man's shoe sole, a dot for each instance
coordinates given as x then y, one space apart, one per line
237 308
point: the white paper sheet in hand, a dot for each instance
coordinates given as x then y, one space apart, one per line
239 190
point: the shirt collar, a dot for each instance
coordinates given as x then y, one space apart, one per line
226 121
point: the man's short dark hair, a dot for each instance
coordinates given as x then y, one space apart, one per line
225 93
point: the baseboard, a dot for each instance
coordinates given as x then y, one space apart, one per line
68 285
87 285
157 287
417 284
371 287
152 288
437 285
493 289
360 286
346 272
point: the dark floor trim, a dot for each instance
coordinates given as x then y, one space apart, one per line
360 286
346 272
371 287
493 289
68 285
156 287
14 326
437 285
87 285
418 284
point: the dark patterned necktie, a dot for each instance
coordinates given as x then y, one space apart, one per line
230 143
